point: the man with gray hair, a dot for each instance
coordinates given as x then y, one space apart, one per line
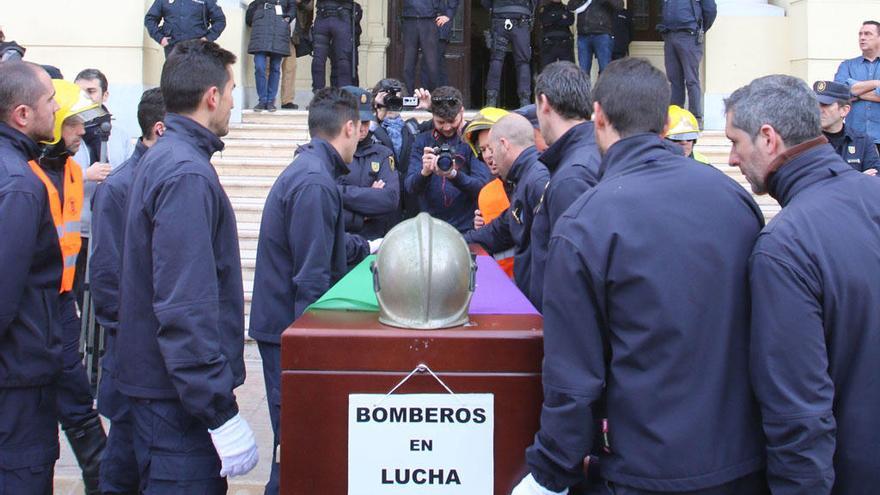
512 145
564 107
815 283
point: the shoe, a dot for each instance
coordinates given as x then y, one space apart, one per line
270 107
525 99
290 106
87 442
491 98
259 107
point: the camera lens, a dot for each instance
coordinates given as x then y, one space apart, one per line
444 162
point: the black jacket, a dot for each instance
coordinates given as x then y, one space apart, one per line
649 311
370 212
181 296
512 229
423 8
815 277
573 162
270 32
183 20
856 149
598 18
30 325
687 15
555 18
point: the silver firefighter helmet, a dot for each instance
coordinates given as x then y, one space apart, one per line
424 275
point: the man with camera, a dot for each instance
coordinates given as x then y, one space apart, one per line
443 172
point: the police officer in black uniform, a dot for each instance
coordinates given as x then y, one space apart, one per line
184 20
855 148
421 22
556 40
333 31
511 30
371 189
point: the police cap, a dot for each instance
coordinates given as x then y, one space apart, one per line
364 99
829 92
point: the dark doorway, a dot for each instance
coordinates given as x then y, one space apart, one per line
646 15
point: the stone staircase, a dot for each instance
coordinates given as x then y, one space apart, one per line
258 150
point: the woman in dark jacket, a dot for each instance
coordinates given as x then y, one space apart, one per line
269 44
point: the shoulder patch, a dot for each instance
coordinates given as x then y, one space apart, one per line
374 166
851 149
391 162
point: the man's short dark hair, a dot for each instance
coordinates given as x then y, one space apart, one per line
329 110
151 109
19 85
195 66
873 23
446 102
567 89
92 75
634 95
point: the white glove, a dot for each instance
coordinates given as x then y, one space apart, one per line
236 447
528 486
374 245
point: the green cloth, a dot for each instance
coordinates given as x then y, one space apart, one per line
353 293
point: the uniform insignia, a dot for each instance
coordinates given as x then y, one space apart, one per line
375 167
851 149
363 98
391 162
820 86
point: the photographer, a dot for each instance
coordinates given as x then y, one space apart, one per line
443 172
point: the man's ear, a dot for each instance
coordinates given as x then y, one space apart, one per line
211 98
599 117
21 115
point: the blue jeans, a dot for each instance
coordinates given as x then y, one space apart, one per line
599 44
267 91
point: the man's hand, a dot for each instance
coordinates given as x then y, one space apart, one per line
379 184
528 486
164 41
97 172
870 171
441 20
424 97
429 162
479 221
375 244
236 447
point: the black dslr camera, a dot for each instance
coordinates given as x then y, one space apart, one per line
445 157
394 102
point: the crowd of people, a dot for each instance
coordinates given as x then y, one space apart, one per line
675 321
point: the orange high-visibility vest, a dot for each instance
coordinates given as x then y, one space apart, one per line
67 219
492 203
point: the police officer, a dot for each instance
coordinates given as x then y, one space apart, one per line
333 30
564 107
556 40
446 190
627 328
303 248
856 148
181 303
30 327
512 145
421 20
815 283
119 471
183 20
511 31
371 189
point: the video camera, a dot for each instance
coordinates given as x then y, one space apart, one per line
445 156
394 102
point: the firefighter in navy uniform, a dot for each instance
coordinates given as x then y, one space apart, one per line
332 30
556 39
511 31
371 189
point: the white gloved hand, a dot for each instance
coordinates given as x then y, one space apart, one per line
236 447
528 486
374 245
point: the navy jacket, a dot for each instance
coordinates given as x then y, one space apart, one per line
423 8
573 162
108 224
687 15
181 297
815 276
183 20
30 326
303 248
370 212
525 185
450 200
409 203
858 150
653 318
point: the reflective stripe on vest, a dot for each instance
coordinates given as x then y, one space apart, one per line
67 219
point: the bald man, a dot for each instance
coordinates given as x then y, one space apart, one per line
512 146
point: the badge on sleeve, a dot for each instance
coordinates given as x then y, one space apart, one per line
391 162
851 149
375 167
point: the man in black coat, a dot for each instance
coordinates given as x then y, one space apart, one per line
171 21
815 283
647 318
269 44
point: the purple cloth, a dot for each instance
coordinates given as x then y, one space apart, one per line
496 294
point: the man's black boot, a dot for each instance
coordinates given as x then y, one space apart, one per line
491 98
87 442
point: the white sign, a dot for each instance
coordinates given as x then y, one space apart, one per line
424 444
